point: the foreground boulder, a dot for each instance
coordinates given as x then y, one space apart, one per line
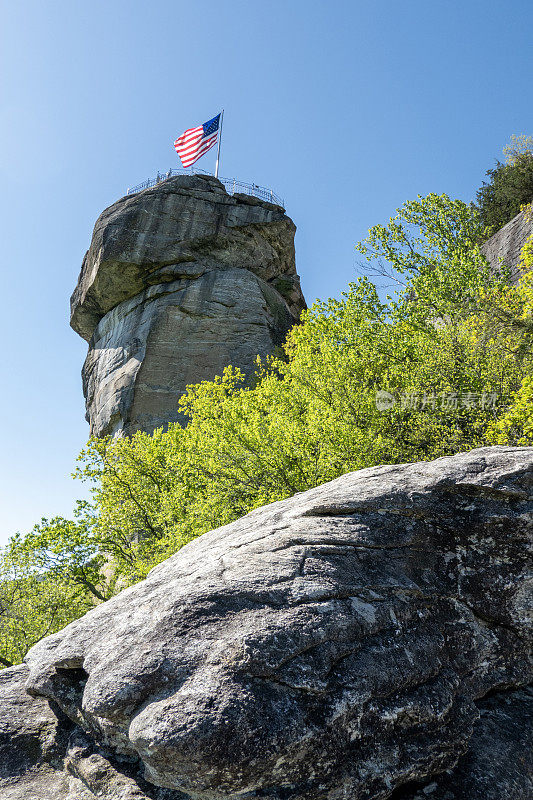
366 637
45 756
33 742
180 280
498 764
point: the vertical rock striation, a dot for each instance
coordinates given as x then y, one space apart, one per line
507 243
179 281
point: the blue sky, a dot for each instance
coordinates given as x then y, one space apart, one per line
346 109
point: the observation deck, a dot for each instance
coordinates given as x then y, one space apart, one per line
232 185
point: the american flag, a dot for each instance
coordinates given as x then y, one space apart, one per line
192 144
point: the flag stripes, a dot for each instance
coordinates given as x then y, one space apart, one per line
195 142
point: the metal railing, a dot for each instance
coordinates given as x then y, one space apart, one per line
231 185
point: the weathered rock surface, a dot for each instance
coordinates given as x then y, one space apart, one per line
367 634
179 281
32 742
498 763
507 243
45 756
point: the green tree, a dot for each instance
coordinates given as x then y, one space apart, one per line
509 186
49 577
32 606
515 425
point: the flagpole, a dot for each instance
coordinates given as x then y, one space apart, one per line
219 141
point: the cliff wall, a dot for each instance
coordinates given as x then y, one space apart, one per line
507 243
179 281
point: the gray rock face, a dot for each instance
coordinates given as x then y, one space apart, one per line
179 281
32 742
337 645
44 756
498 764
507 243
